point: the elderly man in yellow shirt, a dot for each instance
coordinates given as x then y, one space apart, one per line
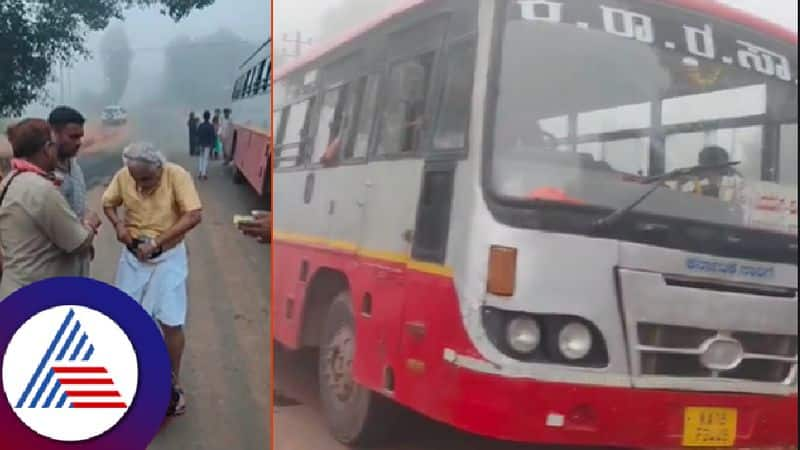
161 206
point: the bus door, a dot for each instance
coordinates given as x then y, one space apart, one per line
386 225
296 191
428 284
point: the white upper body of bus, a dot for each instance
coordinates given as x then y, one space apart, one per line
250 97
456 128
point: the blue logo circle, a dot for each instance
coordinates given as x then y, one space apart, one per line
63 354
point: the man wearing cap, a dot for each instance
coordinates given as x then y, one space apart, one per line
161 206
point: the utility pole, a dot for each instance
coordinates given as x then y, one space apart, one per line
298 44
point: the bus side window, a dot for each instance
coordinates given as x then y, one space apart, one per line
404 112
292 134
364 103
453 120
246 83
237 88
326 125
250 83
280 131
256 85
267 73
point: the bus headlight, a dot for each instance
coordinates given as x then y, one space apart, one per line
575 340
523 334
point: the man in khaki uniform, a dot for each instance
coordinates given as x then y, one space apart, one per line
40 235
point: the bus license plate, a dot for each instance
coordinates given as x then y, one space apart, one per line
709 427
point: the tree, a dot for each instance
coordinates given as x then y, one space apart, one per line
116 55
200 72
37 35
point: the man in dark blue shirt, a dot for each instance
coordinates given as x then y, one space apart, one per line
206 139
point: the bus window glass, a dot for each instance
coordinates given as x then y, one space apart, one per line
252 83
280 131
716 105
558 127
404 111
327 123
246 84
788 162
451 128
257 79
348 114
359 146
743 144
295 121
240 89
624 117
235 92
624 155
288 157
267 75
656 107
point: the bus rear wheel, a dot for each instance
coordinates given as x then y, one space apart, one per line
238 178
355 415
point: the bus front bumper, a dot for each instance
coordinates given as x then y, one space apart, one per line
525 410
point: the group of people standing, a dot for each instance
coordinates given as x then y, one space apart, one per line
47 229
209 139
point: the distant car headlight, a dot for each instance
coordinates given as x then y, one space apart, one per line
523 334
575 340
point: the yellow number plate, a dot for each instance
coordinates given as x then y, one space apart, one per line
709 427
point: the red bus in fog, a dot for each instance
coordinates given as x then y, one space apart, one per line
250 140
546 221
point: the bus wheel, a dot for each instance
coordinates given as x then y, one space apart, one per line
238 178
355 415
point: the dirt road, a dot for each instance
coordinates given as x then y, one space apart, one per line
225 368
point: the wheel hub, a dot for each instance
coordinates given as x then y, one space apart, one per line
339 365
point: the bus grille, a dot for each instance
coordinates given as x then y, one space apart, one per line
674 351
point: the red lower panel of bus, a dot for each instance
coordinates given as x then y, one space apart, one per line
250 156
413 317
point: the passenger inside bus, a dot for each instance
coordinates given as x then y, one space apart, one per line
722 185
339 130
404 113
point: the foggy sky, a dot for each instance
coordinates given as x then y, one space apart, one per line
149 32
294 15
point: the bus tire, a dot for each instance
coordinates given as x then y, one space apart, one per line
238 178
355 415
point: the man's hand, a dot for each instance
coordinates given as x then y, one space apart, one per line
146 251
92 221
123 235
258 229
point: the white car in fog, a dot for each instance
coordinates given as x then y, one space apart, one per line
114 115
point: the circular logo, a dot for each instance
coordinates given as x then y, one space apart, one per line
70 373
721 353
83 367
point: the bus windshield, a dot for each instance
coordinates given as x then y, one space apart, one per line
592 100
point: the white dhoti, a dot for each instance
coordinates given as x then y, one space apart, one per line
159 285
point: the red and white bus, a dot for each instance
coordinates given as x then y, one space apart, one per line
556 222
250 140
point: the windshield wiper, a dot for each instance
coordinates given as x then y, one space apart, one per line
613 218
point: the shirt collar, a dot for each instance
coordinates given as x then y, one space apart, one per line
21 165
